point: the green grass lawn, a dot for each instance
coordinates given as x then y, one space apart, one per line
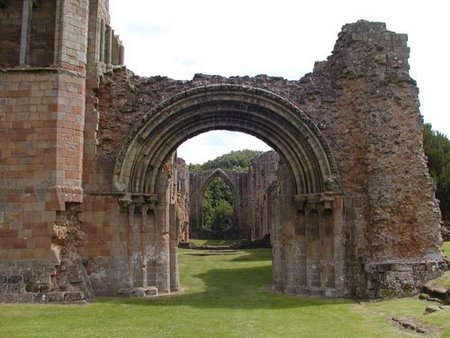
224 296
212 242
446 247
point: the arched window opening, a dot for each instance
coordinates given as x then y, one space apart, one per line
218 209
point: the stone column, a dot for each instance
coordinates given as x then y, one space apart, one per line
338 242
162 246
131 249
174 233
108 47
27 10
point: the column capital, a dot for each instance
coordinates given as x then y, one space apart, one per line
317 201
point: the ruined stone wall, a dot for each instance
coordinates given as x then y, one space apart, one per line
366 106
42 113
250 196
261 175
62 128
182 200
42 34
10 27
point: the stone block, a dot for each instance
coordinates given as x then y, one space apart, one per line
74 296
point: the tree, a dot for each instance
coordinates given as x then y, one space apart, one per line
238 160
437 149
218 206
218 198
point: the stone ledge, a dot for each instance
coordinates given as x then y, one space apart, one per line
139 292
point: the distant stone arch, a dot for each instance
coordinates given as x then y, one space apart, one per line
198 183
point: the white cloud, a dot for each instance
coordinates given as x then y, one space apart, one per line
212 144
179 38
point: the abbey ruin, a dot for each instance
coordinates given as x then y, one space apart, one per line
93 200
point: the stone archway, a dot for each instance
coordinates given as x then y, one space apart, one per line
257 112
309 188
198 183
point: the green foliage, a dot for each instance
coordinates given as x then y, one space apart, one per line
437 149
222 216
238 160
218 198
218 206
218 190
446 248
195 168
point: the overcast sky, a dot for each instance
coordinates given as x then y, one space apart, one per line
179 38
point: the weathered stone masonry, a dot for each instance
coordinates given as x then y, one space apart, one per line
87 196
43 121
250 196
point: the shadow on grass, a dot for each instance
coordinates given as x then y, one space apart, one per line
253 255
244 288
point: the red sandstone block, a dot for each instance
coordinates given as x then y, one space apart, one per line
73 175
18 93
29 189
29 198
18 125
26 254
7 233
13 198
39 229
90 231
18 137
13 243
105 252
42 242
52 205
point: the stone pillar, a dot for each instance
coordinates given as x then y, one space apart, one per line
274 215
162 246
108 47
313 248
301 247
27 10
144 243
338 242
174 235
131 247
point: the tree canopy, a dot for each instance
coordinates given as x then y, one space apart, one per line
218 198
238 160
437 149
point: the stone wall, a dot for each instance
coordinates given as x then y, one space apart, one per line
261 175
250 196
366 106
183 200
10 28
42 118
66 126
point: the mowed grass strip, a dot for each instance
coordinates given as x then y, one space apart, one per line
223 296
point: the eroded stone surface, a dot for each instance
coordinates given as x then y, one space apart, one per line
353 212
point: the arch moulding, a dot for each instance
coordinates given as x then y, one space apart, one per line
254 111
